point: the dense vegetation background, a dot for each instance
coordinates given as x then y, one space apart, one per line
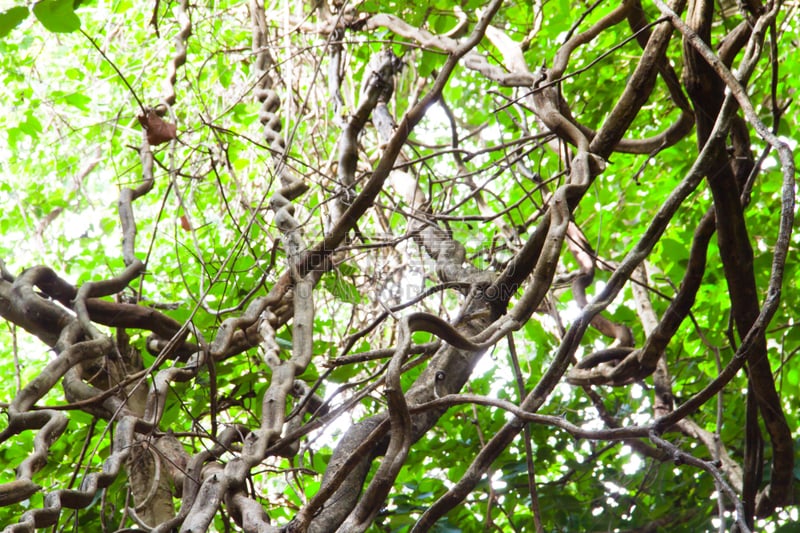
393 265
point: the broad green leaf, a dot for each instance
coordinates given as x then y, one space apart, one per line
57 16
78 100
11 18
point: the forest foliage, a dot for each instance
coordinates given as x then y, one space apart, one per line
399 266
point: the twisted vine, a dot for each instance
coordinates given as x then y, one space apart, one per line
80 342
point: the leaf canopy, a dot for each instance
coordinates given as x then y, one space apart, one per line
399 266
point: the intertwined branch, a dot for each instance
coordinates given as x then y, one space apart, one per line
371 177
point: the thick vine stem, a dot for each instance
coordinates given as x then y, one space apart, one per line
735 80
566 351
400 440
284 372
321 252
76 344
15 295
55 501
377 85
580 248
710 81
663 397
195 473
622 373
407 389
448 370
546 246
80 341
551 110
642 362
179 59
225 483
126 198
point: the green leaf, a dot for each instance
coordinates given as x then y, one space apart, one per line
73 74
31 125
793 377
342 289
10 19
78 100
57 16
